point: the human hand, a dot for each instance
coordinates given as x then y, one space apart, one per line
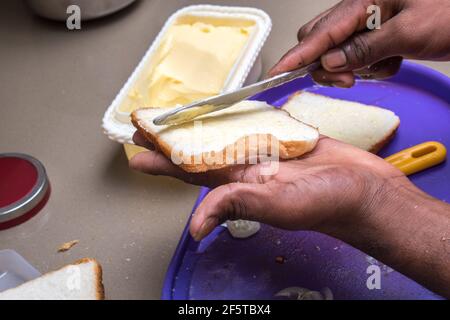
339 37
330 189
336 189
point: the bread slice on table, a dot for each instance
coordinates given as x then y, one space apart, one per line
81 280
366 127
248 132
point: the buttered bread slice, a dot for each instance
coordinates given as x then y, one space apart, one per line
248 132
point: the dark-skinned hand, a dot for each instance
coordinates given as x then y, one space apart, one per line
414 29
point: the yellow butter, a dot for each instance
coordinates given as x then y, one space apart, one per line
192 63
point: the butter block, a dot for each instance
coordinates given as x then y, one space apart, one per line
192 63
217 55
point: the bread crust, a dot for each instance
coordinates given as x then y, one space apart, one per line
378 146
287 149
100 289
374 148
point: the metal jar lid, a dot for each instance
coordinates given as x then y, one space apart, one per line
24 188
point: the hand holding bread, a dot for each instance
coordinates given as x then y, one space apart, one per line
331 173
336 189
334 185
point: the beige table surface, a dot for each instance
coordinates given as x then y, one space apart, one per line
54 88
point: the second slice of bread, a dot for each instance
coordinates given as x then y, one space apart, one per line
81 280
366 127
198 143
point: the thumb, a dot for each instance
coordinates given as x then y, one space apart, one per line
232 201
363 49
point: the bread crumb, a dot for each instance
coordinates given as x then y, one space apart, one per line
280 259
67 245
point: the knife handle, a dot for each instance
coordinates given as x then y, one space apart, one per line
419 157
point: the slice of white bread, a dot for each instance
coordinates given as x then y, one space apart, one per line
366 127
247 132
81 280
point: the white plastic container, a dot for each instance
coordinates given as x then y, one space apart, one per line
14 270
117 125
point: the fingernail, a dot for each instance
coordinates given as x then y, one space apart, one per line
324 84
200 234
339 84
197 236
366 76
149 146
272 72
333 59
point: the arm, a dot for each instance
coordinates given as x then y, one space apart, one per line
409 231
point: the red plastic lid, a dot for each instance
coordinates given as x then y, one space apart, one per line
24 188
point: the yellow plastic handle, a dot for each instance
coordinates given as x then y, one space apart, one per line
419 157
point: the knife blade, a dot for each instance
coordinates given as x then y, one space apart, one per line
191 111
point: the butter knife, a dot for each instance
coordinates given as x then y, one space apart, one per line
191 111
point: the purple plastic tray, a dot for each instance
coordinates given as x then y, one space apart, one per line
221 267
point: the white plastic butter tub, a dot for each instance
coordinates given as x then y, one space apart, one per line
117 125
